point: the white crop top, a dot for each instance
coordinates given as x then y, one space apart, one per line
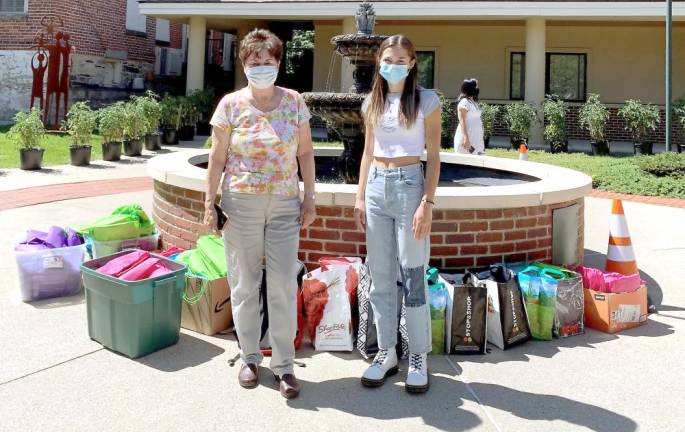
391 139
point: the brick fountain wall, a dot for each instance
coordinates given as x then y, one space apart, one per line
460 239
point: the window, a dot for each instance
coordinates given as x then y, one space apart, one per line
162 31
565 76
135 21
425 61
12 6
517 76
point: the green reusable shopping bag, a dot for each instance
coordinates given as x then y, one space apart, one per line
539 288
145 225
208 260
437 300
126 222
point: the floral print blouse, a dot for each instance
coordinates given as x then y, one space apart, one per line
262 153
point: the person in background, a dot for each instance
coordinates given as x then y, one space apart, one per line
259 134
469 137
395 206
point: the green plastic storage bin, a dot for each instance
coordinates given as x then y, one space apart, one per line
134 318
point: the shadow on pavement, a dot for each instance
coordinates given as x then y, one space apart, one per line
440 408
132 161
188 352
549 407
59 302
49 171
99 166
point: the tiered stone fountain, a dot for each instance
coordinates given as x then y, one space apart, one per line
343 110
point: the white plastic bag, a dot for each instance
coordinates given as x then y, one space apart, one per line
327 308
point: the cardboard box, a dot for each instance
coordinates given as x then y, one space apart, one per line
211 313
613 312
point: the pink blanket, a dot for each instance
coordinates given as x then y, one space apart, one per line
610 282
135 266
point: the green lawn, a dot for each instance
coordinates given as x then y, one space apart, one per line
616 174
56 150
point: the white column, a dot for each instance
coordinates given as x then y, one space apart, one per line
535 72
346 80
197 35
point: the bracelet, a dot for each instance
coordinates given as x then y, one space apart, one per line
427 201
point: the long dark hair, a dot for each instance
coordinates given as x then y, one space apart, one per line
409 102
469 89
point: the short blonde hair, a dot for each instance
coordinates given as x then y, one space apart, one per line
260 39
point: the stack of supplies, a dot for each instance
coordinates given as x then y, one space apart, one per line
48 263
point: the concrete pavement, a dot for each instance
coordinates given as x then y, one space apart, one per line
54 378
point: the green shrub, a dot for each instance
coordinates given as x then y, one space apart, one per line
80 123
151 108
488 113
28 129
171 112
554 110
664 164
203 102
593 116
640 119
112 122
519 117
135 124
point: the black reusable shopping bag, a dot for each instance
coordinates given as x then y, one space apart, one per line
507 320
469 317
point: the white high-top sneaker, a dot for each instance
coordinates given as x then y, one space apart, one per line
383 365
417 375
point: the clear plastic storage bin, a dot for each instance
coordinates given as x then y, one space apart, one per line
109 247
48 273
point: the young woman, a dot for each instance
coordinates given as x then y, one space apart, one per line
260 132
394 206
469 136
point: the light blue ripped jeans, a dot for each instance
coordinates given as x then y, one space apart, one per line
392 197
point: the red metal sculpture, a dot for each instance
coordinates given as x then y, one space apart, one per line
58 63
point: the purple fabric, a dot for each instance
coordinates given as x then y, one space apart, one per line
54 238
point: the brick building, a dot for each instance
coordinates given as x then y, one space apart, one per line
115 48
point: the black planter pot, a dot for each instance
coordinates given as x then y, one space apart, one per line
644 148
80 156
111 151
486 141
516 143
600 148
153 142
169 136
681 148
133 147
31 159
203 128
558 147
186 133
446 142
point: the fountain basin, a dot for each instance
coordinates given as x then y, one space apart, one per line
472 226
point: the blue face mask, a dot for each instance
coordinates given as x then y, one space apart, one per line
394 73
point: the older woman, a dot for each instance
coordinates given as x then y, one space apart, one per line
260 132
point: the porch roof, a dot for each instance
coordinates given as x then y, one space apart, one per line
644 10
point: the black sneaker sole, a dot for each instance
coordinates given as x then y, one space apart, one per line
366 382
418 389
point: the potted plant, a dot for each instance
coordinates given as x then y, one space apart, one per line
679 114
519 117
488 113
28 129
593 116
134 129
640 119
171 119
446 117
189 116
554 110
112 122
203 100
80 123
152 111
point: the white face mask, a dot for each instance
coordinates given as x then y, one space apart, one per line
261 77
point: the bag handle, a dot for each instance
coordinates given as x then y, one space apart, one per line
324 262
553 273
196 298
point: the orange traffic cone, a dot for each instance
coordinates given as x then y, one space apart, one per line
523 152
620 255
